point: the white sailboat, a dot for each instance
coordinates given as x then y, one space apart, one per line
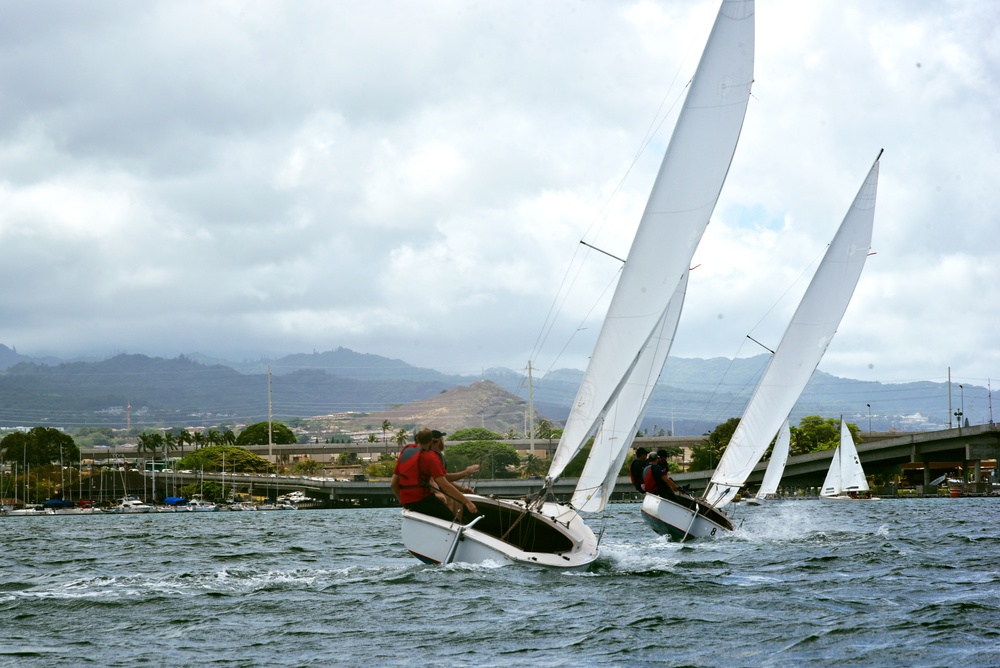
846 478
629 352
798 354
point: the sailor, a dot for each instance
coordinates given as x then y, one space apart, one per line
656 476
638 467
416 468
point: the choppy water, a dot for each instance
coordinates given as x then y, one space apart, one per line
891 583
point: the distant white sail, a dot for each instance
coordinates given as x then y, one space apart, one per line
680 204
812 328
621 423
776 465
846 473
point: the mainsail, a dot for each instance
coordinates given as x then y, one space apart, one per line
776 465
620 424
812 328
680 204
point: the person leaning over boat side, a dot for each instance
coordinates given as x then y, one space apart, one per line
416 471
638 467
437 446
657 478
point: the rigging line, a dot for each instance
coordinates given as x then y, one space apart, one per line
602 251
580 328
657 121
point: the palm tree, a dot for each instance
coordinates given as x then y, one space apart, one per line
228 437
400 437
214 437
172 442
386 426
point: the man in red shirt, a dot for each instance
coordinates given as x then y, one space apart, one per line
437 445
415 470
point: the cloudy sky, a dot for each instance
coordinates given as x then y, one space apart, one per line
248 179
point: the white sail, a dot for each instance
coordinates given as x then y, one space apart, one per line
621 423
683 197
833 484
776 465
812 328
846 473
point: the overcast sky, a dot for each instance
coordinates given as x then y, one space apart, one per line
412 179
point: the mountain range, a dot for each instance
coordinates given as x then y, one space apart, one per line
693 395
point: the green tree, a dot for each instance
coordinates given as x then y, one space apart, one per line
306 467
88 437
228 437
401 437
256 434
543 429
382 468
39 446
816 433
347 458
237 459
473 434
706 457
493 458
534 466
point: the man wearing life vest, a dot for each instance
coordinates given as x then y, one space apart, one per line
655 477
416 469
637 468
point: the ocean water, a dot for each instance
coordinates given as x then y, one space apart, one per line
911 582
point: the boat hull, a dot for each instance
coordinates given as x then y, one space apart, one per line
683 519
553 536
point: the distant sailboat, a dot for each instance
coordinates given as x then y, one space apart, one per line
798 354
846 478
631 343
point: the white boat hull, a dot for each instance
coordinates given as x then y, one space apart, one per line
685 519
847 497
554 536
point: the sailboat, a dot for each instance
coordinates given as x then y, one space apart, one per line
630 348
775 466
846 477
798 354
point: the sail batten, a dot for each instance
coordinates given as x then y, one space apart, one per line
683 197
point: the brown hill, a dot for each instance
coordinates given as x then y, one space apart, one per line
482 404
